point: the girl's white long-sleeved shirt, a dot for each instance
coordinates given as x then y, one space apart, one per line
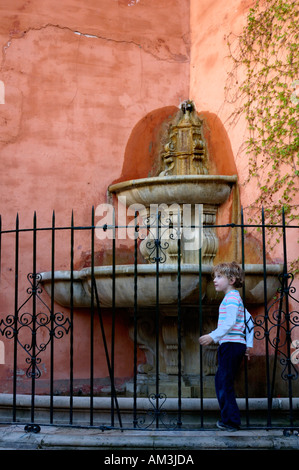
232 320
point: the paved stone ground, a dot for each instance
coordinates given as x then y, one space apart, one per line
14 437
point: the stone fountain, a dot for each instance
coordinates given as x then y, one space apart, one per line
183 187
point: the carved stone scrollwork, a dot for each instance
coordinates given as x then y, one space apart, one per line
145 340
185 151
170 339
169 343
210 360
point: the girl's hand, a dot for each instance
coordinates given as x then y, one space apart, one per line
205 340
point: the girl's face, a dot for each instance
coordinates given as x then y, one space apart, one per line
222 283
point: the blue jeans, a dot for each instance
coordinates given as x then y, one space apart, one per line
230 356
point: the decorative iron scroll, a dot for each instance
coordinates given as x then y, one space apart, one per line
14 325
161 232
156 414
278 327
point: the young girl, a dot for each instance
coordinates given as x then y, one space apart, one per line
230 334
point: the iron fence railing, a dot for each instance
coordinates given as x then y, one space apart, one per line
34 332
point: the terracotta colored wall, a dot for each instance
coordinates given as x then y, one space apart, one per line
78 76
211 23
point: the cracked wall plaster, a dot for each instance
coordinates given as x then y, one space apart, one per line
160 48
77 81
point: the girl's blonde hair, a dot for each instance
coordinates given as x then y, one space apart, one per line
230 270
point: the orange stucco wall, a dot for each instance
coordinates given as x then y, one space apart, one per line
78 76
211 22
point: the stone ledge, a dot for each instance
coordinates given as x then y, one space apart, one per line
62 438
127 403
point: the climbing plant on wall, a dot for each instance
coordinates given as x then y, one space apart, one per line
264 87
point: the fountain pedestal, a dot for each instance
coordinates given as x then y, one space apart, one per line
170 361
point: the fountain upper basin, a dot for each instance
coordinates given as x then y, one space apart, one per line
184 189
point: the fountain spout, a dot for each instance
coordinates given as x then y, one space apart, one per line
185 150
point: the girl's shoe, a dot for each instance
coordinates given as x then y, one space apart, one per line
226 427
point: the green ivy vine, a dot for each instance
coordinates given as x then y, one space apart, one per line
262 87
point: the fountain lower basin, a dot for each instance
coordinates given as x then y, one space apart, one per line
121 292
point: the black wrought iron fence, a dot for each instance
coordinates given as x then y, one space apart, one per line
41 333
